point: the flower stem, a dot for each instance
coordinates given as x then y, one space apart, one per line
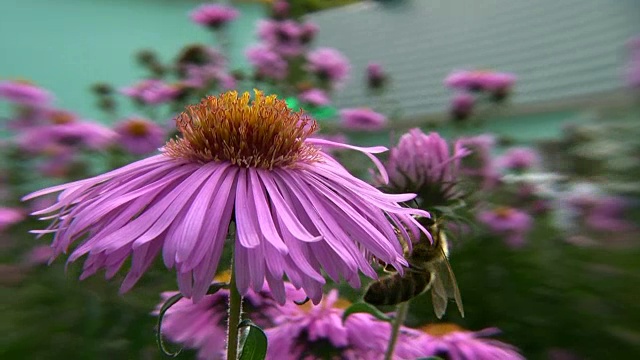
401 314
235 311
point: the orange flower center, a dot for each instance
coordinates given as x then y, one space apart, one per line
263 133
440 329
503 212
62 117
137 127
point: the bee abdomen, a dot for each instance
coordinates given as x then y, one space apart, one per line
394 289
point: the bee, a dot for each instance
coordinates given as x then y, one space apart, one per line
429 269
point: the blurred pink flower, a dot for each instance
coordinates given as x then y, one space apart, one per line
376 77
267 63
519 159
297 211
317 332
479 163
608 214
38 255
24 93
481 80
10 217
329 65
308 31
315 97
280 9
214 16
58 139
140 136
510 223
423 164
362 119
462 105
151 91
448 341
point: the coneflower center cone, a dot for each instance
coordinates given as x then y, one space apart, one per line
262 133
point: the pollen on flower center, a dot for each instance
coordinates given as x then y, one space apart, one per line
503 212
262 133
441 329
138 128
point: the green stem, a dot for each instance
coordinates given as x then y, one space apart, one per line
401 314
235 311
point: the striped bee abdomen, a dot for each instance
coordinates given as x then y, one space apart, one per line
394 289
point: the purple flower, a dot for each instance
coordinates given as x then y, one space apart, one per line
449 341
422 163
510 223
25 94
315 97
317 332
288 37
9 217
202 325
54 138
297 210
267 63
362 119
633 70
329 65
308 31
280 9
151 91
214 16
607 214
479 164
376 77
519 159
38 255
140 136
495 82
462 105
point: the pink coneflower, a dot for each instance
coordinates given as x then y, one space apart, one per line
308 31
498 83
203 325
280 9
198 55
449 341
423 164
24 93
362 119
518 159
283 37
479 164
329 65
38 255
297 211
214 16
9 217
608 214
510 223
462 105
268 64
151 91
77 134
140 136
376 77
317 332
315 97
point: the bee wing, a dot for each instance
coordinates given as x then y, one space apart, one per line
438 295
448 281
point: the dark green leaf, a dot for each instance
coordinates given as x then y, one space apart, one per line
215 287
365 308
169 303
253 341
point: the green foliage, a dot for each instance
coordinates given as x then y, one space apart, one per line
253 341
365 308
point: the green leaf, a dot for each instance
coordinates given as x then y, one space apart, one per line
292 103
169 303
217 286
365 308
324 112
253 341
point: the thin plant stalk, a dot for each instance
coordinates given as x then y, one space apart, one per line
401 315
235 311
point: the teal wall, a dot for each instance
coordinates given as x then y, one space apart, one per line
66 45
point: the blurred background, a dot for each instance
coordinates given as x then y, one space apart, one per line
546 94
